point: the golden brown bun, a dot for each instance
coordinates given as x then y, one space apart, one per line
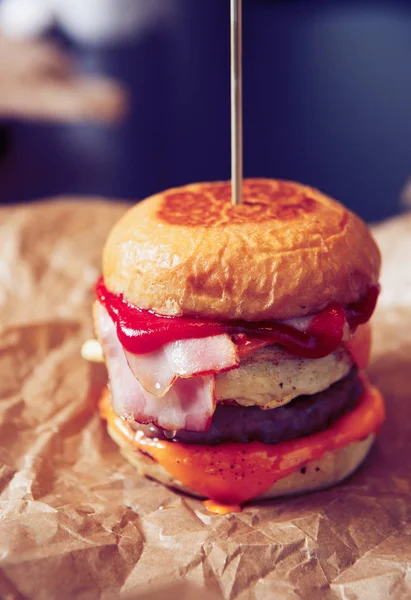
287 251
331 468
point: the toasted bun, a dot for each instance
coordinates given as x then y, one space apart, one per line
332 467
287 251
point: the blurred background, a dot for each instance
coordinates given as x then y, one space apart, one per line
327 98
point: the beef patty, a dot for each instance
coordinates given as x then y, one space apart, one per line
302 416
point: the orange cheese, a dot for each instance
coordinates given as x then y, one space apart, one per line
233 473
221 509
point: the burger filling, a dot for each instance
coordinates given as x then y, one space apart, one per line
192 383
233 473
271 377
161 376
305 415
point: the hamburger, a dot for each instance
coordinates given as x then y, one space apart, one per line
235 339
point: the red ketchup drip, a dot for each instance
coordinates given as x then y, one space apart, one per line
360 312
141 331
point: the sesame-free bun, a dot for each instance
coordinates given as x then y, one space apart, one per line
287 251
331 468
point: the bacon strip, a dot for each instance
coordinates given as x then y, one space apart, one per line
157 371
189 404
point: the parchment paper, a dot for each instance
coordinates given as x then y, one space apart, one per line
75 520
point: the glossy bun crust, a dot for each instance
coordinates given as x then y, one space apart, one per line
287 251
331 468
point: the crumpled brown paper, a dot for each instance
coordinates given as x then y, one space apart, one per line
75 520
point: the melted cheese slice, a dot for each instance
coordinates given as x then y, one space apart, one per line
234 473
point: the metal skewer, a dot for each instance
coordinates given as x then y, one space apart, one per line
236 102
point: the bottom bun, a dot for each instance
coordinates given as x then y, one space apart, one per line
331 468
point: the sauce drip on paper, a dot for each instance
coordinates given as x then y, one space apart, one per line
221 509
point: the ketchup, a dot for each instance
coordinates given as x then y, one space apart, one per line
360 312
142 331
